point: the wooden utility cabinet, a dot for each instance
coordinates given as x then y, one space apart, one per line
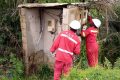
40 24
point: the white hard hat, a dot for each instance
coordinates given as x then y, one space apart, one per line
75 24
96 22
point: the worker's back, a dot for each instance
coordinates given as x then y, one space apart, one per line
67 44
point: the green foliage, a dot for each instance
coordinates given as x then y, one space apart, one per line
107 64
81 60
117 10
10 34
32 77
11 67
110 48
45 72
17 65
117 64
83 56
93 74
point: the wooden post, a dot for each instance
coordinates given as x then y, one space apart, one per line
24 38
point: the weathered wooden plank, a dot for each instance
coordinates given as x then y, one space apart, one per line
30 5
24 38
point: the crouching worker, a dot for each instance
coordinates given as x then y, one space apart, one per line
91 41
66 45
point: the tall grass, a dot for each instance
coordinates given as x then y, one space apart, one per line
93 74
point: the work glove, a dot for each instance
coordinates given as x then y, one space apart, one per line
89 14
84 27
52 52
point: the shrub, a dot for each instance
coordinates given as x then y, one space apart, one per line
45 72
11 67
117 64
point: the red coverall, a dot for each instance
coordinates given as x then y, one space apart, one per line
91 44
66 45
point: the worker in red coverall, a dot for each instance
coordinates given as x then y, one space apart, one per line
66 45
91 41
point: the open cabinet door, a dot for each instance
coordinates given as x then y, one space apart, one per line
70 14
74 13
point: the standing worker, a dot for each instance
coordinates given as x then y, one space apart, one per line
91 41
66 45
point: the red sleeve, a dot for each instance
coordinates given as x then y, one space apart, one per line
90 20
77 48
84 33
55 44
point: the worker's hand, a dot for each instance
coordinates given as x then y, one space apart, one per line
52 53
89 14
84 27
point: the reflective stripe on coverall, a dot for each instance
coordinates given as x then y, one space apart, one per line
66 44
